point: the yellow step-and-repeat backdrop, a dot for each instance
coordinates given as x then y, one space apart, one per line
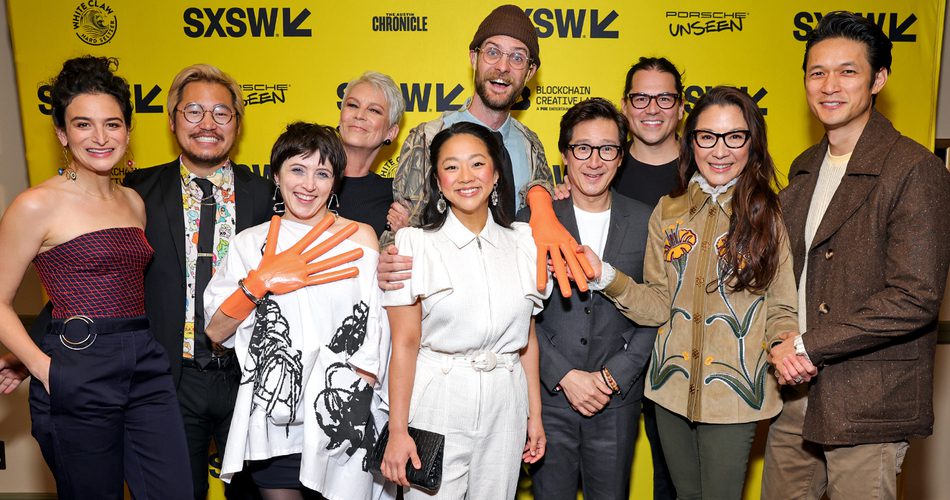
292 59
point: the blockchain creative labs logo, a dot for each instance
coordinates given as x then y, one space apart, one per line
400 21
94 22
698 23
560 97
264 93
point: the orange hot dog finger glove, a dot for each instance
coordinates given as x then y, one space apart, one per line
553 240
291 269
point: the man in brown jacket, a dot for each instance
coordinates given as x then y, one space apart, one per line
867 212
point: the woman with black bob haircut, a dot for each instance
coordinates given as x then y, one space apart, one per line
306 414
465 355
102 399
718 280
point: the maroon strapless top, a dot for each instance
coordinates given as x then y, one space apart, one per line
99 274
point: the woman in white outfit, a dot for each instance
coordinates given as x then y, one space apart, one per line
465 356
310 358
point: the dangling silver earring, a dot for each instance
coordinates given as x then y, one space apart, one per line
278 205
441 206
494 195
333 204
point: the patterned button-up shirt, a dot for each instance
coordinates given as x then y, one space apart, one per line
191 195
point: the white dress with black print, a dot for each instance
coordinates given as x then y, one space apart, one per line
299 390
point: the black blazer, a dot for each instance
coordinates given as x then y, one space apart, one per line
586 331
160 188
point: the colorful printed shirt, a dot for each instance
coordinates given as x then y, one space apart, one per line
191 195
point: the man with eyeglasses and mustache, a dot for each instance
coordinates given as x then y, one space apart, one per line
504 55
205 111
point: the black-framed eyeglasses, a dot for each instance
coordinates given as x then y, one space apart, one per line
194 113
665 100
491 55
733 140
607 152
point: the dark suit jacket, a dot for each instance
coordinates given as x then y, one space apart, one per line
160 188
586 331
877 268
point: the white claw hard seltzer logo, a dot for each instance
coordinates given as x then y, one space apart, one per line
94 22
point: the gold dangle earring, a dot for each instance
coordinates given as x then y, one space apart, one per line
66 169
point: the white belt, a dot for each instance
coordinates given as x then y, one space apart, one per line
480 361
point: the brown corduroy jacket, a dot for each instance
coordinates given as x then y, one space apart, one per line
877 269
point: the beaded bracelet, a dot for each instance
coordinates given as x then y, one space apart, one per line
609 380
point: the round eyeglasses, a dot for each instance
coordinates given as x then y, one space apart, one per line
607 152
733 140
642 101
194 113
492 55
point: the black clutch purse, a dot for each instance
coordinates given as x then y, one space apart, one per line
429 446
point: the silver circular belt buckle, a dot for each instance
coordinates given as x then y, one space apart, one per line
81 345
484 361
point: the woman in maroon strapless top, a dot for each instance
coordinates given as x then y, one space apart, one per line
102 401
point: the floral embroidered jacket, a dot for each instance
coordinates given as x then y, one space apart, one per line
709 360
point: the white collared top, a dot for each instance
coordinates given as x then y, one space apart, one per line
478 292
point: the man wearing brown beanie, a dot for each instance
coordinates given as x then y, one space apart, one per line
504 55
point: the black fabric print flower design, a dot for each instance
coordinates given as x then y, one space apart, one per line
344 412
275 369
349 337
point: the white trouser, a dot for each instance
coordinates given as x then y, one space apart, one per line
480 404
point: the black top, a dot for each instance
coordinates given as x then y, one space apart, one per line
367 200
644 182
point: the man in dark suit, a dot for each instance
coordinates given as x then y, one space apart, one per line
205 110
866 214
592 357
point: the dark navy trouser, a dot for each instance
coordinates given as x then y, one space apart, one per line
111 414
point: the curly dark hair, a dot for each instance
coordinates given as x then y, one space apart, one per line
89 75
752 248
431 218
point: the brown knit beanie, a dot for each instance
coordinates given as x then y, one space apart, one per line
509 20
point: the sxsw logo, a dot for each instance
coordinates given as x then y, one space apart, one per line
573 23
694 92
143 100
893 24
237 22
422 96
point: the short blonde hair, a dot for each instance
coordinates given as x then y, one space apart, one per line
204 73
390 91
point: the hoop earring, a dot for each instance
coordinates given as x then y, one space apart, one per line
67 169
441 206
494 195
333 204
278 205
